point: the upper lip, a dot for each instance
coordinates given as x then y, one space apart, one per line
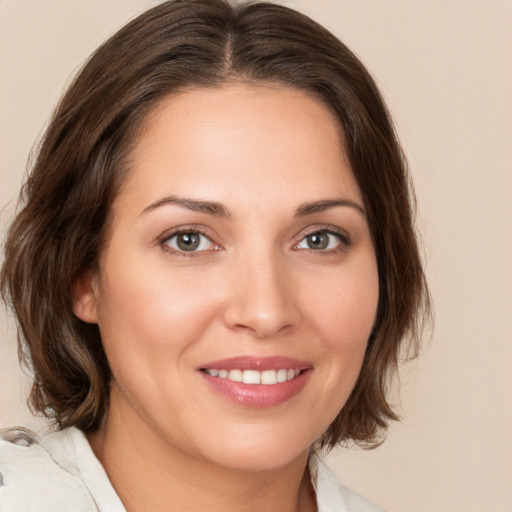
256 363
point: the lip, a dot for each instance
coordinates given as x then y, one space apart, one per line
257 363
257 395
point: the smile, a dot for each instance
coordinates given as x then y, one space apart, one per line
257 382
266 377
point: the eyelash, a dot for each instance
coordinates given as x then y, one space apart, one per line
343 238
164 240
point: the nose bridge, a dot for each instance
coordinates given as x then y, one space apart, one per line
262 300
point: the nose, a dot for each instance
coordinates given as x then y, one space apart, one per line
262 300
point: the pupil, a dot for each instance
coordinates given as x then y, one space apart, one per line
318 241
188 241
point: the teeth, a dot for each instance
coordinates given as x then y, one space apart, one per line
251 377
269 377
236 375
281 375
254 376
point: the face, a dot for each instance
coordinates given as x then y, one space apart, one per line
238 290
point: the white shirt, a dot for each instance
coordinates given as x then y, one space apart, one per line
60 473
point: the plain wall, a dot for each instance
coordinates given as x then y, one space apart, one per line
445 69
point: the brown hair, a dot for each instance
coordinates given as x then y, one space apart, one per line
62 224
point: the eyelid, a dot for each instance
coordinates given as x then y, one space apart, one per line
343 235
345 239
170 233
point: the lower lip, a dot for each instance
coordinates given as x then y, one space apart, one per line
258 395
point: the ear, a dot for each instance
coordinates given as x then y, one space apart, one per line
85 297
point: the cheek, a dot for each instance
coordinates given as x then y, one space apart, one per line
147 313
341 315
344 316
150 324
344 311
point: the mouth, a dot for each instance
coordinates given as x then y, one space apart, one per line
257 382
265 377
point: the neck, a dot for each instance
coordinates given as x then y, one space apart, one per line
149 473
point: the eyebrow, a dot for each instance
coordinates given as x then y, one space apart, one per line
208 207
320 206
219 210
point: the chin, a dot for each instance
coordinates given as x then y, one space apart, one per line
260 460
257 451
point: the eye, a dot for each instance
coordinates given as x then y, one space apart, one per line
323 240
188 241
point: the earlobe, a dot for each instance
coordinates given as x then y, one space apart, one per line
85 298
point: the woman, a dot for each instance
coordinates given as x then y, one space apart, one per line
213 269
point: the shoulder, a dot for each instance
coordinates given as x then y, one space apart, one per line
333 497
32 479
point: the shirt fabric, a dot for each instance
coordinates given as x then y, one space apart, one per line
60 473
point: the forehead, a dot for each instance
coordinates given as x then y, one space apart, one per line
239 141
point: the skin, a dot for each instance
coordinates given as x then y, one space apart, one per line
255 287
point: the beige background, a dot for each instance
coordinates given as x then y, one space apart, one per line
445 68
